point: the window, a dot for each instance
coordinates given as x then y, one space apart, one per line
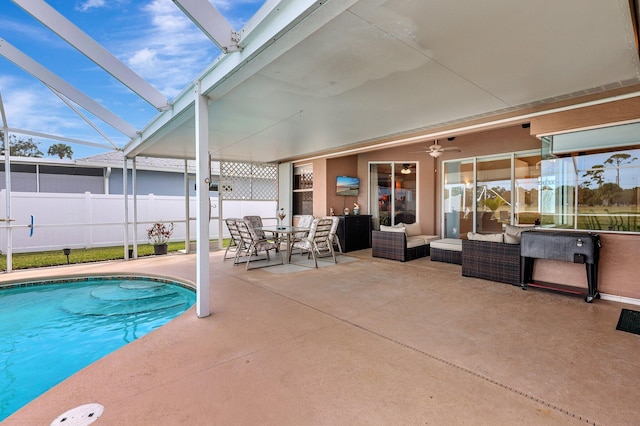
303 189
597 191
591 179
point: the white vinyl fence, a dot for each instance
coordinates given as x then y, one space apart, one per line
97 220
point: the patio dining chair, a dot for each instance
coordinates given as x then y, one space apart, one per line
305 221
317 242
256 222
333 237
235 242
252 244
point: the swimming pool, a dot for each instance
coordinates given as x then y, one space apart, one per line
52 330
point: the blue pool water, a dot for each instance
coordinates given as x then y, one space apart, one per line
48 332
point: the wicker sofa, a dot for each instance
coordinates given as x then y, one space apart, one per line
404 244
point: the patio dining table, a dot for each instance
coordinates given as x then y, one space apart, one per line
289 231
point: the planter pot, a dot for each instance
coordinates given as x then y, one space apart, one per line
160 248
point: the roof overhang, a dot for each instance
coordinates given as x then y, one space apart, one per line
316 77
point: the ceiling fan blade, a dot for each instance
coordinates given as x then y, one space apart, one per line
450 148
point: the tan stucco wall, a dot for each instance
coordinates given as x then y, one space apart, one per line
344 166
593 116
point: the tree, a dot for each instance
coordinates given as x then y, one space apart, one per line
617 160
61 150
19 147
594 175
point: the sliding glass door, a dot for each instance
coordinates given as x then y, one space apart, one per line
458 199
393 192
484 194
493 194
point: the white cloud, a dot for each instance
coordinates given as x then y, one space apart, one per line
170 51
29 105
223 4
91 4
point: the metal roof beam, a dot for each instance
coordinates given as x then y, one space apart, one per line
84 117
61 86
59 138
212 23
94 51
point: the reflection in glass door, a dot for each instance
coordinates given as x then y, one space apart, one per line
526 210
493 194
478 196
393 192
458 198
380 193
404 195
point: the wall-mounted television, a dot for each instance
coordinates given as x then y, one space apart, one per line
346 185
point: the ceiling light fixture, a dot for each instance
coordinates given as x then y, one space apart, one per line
405 169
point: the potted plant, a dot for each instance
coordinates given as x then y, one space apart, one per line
159 235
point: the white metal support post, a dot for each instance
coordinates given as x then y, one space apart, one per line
7 178
134 190
187 212
203 175
125 197
221 223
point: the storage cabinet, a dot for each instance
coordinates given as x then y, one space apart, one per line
354 232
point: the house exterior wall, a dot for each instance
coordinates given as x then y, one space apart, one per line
25 179
607 114
343 166
151 182
617 274
71 184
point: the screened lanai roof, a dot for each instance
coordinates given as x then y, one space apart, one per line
308 78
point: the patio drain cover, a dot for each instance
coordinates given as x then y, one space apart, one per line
629 321
79 416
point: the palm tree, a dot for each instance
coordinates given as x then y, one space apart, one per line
61 150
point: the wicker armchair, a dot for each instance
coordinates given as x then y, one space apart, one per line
395 245
491 261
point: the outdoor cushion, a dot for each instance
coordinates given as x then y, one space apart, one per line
386 228
512 233
412 229
420 240
452 244
494 238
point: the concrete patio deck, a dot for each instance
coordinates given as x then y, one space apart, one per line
370 342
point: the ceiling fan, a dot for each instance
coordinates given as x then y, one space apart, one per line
436 149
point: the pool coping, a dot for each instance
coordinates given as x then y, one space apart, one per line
72 278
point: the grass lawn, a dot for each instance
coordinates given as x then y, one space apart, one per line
57 257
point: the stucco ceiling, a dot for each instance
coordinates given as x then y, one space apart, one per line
327 76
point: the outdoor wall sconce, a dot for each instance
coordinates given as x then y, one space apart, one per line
67 252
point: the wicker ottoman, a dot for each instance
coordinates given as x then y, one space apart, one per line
447 250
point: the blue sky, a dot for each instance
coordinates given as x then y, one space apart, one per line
152 37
